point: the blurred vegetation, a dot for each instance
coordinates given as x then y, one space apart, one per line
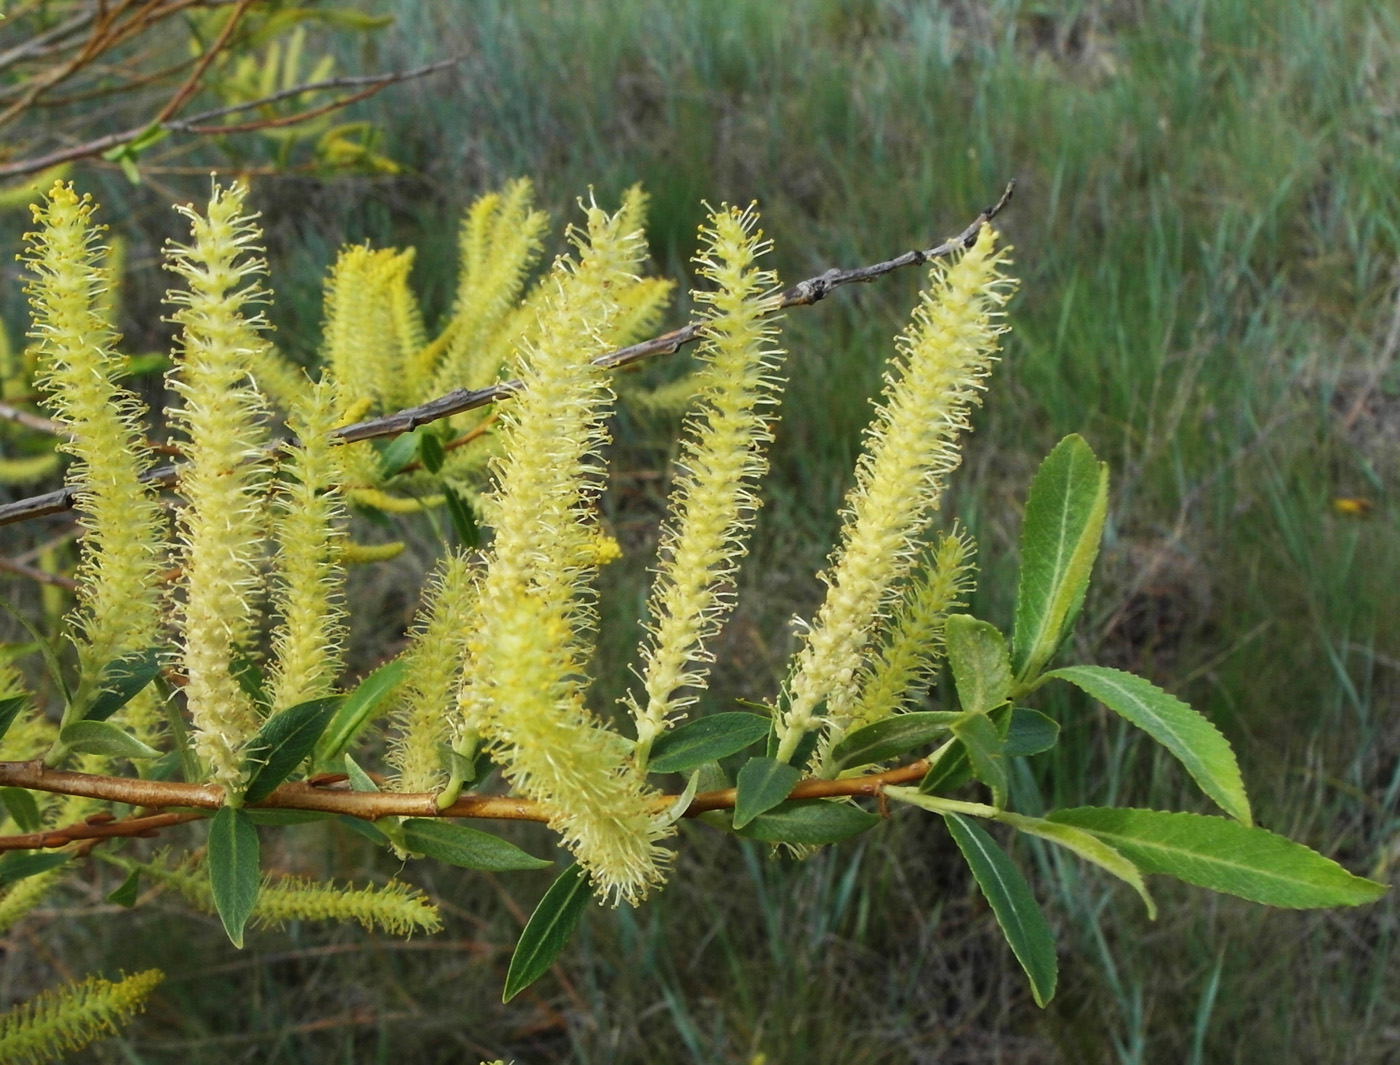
1208 227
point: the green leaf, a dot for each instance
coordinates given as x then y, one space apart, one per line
51 663
1030 732
547 931
125 894
678 808
985 751
890 738
430 451
121 681
1196 743
809 822
103 737
465 847
950 769
1065 513
359 779
355 712
976 652
250 679
706 739
806 746
1088 847
16 865
1013 904
9 710
22 808
364 828
1224 856
762 783
284 740
233 869
464 522
399 452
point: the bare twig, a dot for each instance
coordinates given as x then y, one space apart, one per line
803 294
30 421
368 805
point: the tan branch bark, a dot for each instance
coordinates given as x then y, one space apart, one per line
367 805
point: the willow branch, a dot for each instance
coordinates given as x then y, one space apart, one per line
803 294
313 798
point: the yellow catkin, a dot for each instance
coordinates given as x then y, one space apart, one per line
367 318
308 642
65 1019
913 645
714 499
432 672
943 359
222 417
524 689
118 611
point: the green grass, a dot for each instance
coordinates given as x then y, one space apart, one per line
1206 223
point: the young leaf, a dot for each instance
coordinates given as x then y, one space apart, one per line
282 742
233 869
547 930
16 865
121 681
1195 742
464 522
891 737
951 768
985 751
1088 847
22 808
9 710
358 778
103 737
981 667
125 895
356 710
762 783
1030 732
465 847
1065 514
1224 856
399 452
1013 904
678 808
430 451
706 739
809 822
51 663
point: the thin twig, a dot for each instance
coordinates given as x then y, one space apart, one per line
367 805
803 294
38 576
30 421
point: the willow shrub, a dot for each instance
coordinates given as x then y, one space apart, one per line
178 706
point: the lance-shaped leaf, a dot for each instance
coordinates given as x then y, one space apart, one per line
465 847
1065 514
103 737
464 522
121 681
981 667
22 808
891 737
809 822
1224 856
1088 847
234 876
1195 742
986 751
547 931
282 742
706 739
950 768
356 710
17 865
1011 900
9 710
762 783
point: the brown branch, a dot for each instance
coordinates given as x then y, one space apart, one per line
39 576
195 123
803 294
191 83
30 421
307 796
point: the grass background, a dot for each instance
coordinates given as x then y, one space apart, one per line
1206 228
